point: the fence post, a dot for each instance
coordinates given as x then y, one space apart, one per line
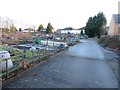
23 59
24 54
53 41
7 75
32 56
39 54
40 41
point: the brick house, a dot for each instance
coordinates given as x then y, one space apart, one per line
114 26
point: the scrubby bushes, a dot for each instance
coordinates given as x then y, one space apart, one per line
111 41
12 51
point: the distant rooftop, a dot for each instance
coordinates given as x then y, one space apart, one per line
116 18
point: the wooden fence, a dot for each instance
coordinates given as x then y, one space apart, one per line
21 59
24 58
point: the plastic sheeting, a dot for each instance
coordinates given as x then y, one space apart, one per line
4 55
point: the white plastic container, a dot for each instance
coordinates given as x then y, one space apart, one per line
4 55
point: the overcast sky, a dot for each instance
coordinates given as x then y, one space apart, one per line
60 13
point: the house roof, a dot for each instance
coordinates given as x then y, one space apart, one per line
116 18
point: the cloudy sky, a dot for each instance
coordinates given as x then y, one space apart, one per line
60 13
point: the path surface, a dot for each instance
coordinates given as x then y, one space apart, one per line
81 66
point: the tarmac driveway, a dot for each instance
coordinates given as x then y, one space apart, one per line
70 69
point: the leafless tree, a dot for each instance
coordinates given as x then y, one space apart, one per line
6 24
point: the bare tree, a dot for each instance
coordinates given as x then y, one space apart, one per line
6 24
13 28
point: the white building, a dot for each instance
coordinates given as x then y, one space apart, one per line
61 31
